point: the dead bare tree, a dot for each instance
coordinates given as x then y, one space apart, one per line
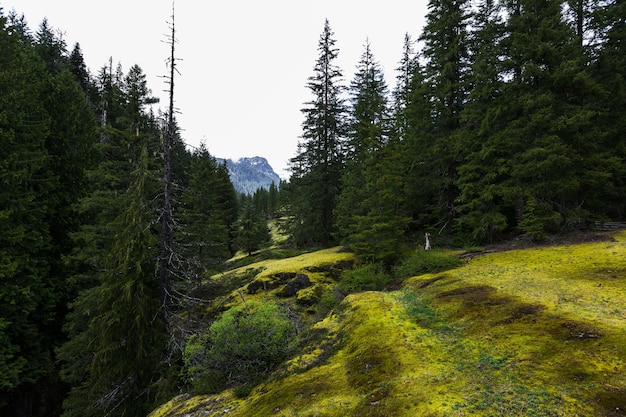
166 267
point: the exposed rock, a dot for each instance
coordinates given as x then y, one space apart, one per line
309 296
250 174
291 289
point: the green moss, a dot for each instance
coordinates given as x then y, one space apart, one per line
536 332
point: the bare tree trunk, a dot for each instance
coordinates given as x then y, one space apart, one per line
166 254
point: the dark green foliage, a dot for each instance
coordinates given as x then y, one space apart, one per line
25 300
121 327
610 71
423 262
246 343
368 277
509 121
368 215
46 136
446 86
317 168
206 214
252 230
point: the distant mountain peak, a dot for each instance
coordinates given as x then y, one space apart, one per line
248 174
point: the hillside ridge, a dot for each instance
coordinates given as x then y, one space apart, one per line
532 331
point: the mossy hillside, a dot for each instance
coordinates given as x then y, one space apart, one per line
554 319
264 279
538 332
584 280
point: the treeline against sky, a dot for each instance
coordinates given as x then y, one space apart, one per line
82 328
507 119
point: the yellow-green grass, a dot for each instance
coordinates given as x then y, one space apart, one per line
536 332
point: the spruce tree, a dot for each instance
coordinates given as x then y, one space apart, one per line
47 137
408 66
549 134
26 302
125 338
446 72
413 140
252 231
433 143
366 213
317 167
204 232
482 212
609 69
125 166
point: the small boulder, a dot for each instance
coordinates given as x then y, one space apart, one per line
300 282
310 296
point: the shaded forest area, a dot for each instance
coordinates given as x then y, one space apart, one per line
506 120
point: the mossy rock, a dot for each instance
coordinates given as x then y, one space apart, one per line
300 282
310 296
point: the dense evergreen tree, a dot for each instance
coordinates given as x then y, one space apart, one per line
51 48
317 168
446 73
365 213
481 206
227 197
79 69
550 127
272 201
127 132
26 302
609 25
252 231
205 214
510 120
404 88
124 338
46 147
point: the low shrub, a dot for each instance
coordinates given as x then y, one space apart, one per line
368 277
244 345
423 262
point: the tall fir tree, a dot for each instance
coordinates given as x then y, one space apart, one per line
482 212
609 25
205 223
438 92
47 140
407 68
251 228
126 163
317 168
365 214
549 132
26 302
446 73
413 143
125 339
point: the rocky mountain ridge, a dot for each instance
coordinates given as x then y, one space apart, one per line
248 174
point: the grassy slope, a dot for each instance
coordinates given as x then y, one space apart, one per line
536 332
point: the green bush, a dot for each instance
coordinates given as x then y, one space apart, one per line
246 343
368 277
423 262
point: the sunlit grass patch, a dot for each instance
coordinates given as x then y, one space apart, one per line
585 280
550 312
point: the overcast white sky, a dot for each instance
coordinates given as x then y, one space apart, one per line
244 63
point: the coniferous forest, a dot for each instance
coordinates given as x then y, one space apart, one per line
506 121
